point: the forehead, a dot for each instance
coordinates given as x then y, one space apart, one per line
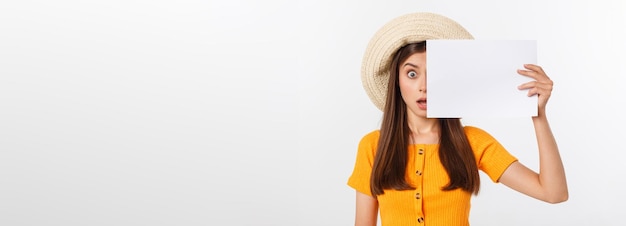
418 59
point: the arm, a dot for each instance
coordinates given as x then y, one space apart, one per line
366 210
549 184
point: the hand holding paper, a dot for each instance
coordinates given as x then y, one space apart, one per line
541 86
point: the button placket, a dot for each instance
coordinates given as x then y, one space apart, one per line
419 170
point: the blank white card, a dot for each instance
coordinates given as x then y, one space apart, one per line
478 78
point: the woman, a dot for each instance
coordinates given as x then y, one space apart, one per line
418 170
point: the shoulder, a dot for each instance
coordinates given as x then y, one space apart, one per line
491 156
370 140
479 138
475 133
473 129
371 136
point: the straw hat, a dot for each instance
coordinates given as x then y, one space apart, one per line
403 30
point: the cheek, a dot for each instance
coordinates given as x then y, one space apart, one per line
405 87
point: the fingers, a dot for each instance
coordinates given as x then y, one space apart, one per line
527 85
542 85
534 67
535 87
530 86
533 71
547 84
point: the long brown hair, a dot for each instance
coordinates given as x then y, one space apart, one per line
455 152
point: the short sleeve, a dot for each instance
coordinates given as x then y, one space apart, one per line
360 178
491 157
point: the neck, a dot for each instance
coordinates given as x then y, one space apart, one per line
423 130
422 125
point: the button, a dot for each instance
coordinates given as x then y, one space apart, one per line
420 220
418 196
421 151
418 173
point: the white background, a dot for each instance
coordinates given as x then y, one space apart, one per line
249 112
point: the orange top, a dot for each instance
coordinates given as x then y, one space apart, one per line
428 204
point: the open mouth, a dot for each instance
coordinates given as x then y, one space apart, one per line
421 103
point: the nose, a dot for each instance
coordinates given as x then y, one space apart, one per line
422 84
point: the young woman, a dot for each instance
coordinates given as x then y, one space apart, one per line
417 170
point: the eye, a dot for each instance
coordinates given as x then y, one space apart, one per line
412 74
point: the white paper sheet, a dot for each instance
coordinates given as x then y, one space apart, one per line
478 78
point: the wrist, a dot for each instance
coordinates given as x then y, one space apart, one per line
541 112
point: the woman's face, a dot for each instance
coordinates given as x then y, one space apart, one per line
412 81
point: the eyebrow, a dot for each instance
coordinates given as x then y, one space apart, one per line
410 64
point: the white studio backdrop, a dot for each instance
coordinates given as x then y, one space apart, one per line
250 112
